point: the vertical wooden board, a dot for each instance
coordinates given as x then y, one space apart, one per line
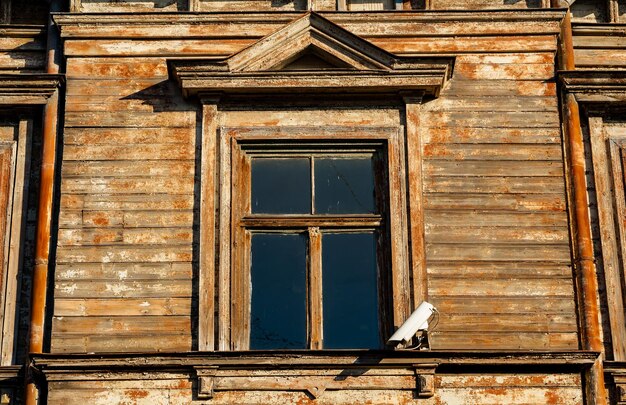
6 174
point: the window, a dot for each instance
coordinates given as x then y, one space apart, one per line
311 236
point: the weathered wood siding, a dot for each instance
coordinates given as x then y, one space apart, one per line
498 254
599 46
177 388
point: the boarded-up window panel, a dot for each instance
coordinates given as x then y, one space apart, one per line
367 5
252 5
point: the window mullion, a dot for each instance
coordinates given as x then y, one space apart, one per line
315 288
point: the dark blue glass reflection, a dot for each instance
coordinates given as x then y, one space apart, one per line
281 186
350 291
278 308
344 186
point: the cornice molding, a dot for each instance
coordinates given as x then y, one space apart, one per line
24 89
595 85
54 363
88 25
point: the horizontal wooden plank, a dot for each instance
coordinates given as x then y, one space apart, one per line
470 168
511 380
439 287
129 152
161 47
120 325
115 136
557 253
503 184
91 68
473 87
498 270
504 305
522 152
124 254
600 57
10 43
127 202
541 58
119 87
123 289
127 168
128 219
483 4
277 117
114 119
469 44
399 25
488 119
522 322
510 340
124 236
162 342
442 233
139 185
462 135
494 71
496 218
228 46
122 307
599 41
22 61
495 103
512 202
123 271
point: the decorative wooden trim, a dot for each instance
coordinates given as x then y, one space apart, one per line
52 365
608 174
425 376
347 137
361 66
416 211
595 85
208 179
20 89
206 381
7 174
600 90
17 226
616 378
75 25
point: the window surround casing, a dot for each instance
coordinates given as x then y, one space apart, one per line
602 93
19 94
389 140
364 72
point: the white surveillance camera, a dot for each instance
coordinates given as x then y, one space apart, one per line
416 322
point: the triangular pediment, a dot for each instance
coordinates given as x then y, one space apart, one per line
313 55
311 36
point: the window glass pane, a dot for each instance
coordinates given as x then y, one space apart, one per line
281 186
344 186
278 308
350 297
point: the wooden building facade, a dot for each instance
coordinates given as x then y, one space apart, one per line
149 150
